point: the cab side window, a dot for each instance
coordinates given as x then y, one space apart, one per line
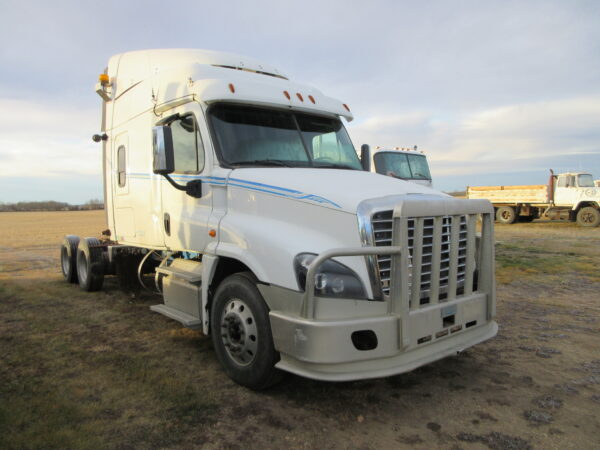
121 166
187 145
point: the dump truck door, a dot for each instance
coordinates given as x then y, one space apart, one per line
566 192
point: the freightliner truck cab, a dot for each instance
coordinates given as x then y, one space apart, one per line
242 196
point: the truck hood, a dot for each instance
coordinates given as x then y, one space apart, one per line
330 188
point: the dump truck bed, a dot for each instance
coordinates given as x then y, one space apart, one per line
530 194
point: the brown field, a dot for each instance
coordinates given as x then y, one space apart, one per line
91 370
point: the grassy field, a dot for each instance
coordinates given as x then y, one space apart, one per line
90 370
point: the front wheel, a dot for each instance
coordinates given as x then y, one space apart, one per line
241 333
588 217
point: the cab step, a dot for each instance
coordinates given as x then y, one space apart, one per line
185 319
190 271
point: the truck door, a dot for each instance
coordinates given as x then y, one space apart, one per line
184 217
566 192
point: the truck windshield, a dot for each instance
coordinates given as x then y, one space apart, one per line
402 165
585 180
250 136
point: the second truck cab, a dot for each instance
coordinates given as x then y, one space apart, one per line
403 163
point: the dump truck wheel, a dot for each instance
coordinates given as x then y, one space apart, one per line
588 217
68 258
241 333
90 266
506 215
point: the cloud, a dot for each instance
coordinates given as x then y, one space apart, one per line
493 140
478 85
48 139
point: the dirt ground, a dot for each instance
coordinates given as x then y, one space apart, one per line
90 370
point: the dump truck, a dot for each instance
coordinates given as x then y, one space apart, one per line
568 196
407 164
237 197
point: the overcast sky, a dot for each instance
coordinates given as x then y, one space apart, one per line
495 92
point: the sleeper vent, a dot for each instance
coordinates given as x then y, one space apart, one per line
245 69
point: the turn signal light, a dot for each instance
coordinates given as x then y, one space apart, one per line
212 233
103 78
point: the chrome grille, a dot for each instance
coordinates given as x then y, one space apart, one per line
382 236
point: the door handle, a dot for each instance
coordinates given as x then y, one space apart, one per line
167 223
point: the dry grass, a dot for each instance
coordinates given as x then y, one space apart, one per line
90 370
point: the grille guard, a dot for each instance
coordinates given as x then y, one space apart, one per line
401 301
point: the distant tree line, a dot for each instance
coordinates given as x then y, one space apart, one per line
50 205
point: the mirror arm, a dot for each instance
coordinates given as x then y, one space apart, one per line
192 188
173 183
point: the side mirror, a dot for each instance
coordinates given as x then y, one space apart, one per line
365 157
164 159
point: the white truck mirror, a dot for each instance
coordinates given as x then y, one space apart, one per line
164 160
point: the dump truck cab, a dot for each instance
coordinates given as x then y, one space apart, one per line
267 233
573 188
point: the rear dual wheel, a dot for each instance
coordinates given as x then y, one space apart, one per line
68 258
90 264
506 215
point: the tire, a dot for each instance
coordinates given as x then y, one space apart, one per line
68 258
241 333
90 265
588 217
506 215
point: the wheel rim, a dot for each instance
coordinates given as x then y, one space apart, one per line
65 261
506 215
238 332
587 218
82 267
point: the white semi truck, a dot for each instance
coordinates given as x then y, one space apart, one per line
567 196
240 192
403 163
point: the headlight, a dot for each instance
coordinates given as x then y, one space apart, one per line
332 279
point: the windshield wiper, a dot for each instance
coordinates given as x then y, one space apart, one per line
333 166
262 162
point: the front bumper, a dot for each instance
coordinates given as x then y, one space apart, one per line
325 350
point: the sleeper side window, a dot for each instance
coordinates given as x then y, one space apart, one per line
187 145
121 166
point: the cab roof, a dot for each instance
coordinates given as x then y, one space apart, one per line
166 75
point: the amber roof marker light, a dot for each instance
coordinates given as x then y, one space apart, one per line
232 88
299 95
287 95
103 79
311 98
